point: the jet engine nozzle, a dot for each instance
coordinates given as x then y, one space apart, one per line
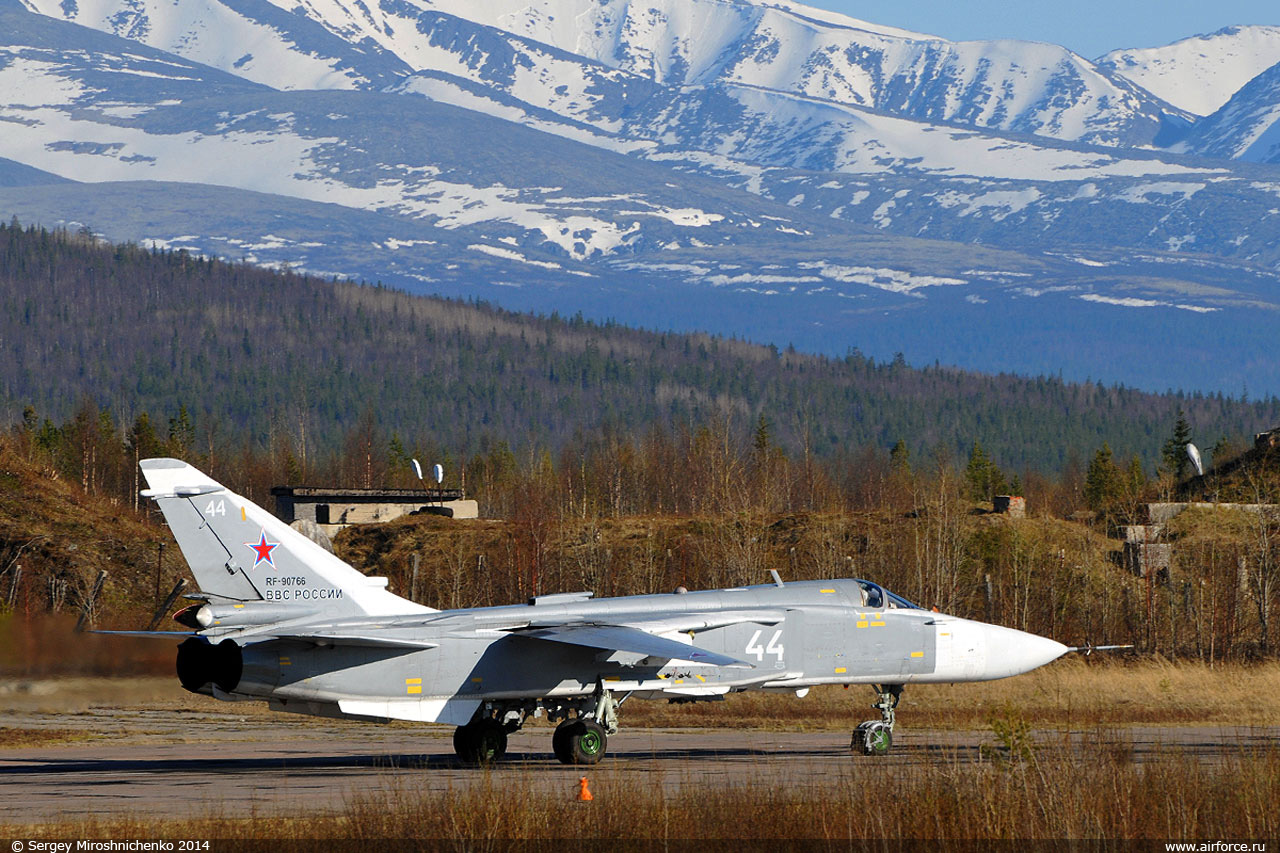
201 663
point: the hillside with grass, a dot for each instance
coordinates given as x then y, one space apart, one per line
570 524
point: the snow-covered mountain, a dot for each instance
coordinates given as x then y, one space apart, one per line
752 168
1201 73
1247 127
547 50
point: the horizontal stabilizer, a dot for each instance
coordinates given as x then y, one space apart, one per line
624 638
172 635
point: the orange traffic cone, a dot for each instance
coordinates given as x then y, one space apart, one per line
584 793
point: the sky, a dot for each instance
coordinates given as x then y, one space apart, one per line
1089 27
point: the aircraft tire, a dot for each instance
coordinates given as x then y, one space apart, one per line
873 738
560 741
585 743
480 742
464 742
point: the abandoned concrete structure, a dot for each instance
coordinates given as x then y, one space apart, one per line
334 509
1012 505
1162 512
1146 549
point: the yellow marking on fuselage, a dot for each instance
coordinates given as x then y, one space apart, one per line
840 670
238 606
413 681
826 591
862 623
877 624
477 679
700 678
917 654
243 515
286 662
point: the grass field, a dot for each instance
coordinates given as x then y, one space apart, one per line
1021 791
951 804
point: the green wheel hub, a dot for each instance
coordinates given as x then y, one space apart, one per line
581 741
591 742
878 741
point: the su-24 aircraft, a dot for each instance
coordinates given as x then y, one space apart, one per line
281 619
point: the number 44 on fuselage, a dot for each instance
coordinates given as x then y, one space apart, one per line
280 619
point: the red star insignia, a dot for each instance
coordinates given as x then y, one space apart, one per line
262 549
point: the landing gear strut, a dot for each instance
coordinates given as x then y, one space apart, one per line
584 739
874 737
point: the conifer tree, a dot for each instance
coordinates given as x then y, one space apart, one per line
1174 451
900 458
985 479
1103 486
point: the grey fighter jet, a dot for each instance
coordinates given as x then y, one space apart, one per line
280 619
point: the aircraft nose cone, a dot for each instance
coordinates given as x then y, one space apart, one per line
1012 652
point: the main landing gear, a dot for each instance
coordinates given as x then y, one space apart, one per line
481 741
874 737
579 741
582 737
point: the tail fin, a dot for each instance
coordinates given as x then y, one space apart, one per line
240 552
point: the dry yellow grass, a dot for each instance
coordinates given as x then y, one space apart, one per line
951 803
24 738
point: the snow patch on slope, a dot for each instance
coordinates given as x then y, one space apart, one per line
211 33
1201 73
1136 302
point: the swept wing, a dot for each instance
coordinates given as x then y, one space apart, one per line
624 638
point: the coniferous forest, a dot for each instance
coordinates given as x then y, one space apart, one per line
248 357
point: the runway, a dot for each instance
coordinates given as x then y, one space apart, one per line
278 767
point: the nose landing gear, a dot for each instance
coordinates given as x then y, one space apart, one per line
874 737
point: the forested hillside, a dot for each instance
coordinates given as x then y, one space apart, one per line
246 357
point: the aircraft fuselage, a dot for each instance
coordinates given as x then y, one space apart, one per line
817 632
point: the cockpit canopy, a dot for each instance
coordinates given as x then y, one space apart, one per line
876 597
